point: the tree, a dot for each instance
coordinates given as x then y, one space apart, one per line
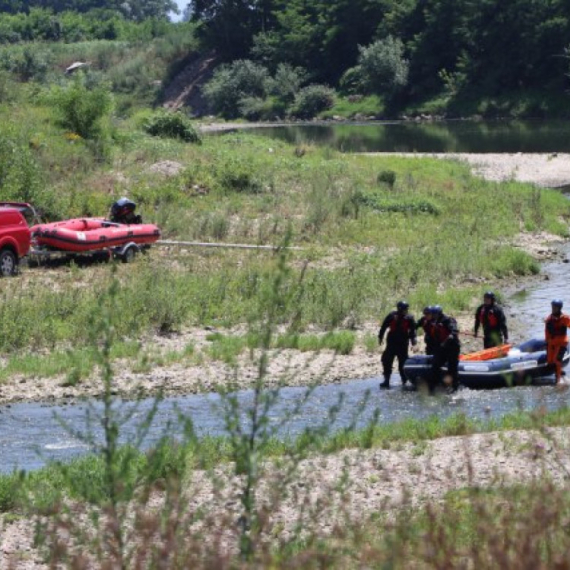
383 68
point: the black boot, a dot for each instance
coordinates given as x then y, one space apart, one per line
385 384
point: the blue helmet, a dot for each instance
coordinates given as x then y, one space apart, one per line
557 303
436 310
402 306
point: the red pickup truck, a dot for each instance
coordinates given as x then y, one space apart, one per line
15 235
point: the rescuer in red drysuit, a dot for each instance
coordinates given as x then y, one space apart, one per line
447 348
492 318
555 332
401 329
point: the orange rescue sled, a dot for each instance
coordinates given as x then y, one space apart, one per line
488 354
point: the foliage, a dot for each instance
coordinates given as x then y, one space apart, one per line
231 83
460 48
137 10
382 67
286 82
83 110
171 125
312 100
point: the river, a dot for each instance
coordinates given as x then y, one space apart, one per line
32 434
460 136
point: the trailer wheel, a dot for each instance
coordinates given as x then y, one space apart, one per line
8 263
129 254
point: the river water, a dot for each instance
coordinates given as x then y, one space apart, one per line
32 434
542 136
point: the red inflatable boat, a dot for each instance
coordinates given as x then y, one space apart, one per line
89 234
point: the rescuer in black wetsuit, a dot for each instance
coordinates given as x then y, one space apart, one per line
492 318
426 323
447 348
401 329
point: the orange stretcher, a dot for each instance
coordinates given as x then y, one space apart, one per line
489 353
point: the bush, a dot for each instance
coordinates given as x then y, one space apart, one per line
82 110
381 204
238 176
258 109
382 66
233 83
171 125
387 177
286 82
312 100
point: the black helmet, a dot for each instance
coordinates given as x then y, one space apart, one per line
436 310
122 208
427 310
557 303
489 295
402 306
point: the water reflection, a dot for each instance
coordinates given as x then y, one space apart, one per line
444 136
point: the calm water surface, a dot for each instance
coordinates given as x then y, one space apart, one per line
442 136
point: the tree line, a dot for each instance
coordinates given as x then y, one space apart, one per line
137 10
493 46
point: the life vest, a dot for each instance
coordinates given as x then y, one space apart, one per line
488 318
400 324
557 326
443 329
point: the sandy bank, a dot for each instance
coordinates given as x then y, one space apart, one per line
546 170
549 170
380 481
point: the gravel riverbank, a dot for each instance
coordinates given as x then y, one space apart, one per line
546 170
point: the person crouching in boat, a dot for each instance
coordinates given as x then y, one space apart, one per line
492 318
401 329
556 326
426 323
447 349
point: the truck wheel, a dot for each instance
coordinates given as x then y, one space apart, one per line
8 263
130 254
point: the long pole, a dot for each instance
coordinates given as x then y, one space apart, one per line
226 245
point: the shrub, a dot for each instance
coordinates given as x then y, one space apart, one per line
313 99
233 83
387 177
382 66
256 108
286 82
381 204
238 176
171 125
82 110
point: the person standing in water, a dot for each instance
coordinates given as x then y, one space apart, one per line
447 349
492 318
401 329
556 335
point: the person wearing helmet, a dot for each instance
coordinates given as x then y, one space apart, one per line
555 332
492 318
426 323
447 347
401 328
123 212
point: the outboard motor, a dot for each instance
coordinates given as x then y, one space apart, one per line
123 212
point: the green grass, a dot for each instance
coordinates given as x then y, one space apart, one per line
348 108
